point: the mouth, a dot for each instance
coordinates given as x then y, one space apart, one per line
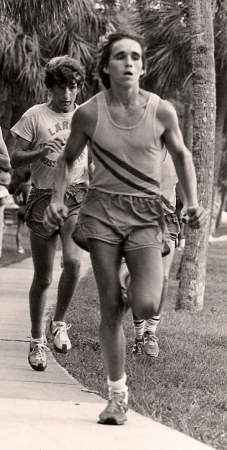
128 73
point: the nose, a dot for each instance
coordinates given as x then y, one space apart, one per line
67 93
128 61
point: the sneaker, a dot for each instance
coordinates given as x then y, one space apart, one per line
61 340
151 344
124 281
37 355
138 347
20 250
114 413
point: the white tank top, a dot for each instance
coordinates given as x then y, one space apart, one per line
127 159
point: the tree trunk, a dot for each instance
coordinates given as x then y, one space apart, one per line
193 271
188 123
221 96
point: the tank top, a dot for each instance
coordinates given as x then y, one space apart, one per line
127 160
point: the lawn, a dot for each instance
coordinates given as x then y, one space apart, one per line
185 387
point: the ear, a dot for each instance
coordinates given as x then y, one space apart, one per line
105 69
142 71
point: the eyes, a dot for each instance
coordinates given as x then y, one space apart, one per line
133 56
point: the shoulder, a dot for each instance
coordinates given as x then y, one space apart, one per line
85 115
166 113
34 110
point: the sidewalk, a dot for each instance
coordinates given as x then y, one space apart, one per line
51 410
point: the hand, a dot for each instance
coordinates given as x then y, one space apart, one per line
54 216
54 146
196 217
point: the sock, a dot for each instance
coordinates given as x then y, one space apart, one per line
151 324
139 328
118 387
36 341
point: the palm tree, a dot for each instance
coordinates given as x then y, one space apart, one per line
193 269
33 32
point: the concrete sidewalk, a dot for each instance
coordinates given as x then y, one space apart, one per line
51 410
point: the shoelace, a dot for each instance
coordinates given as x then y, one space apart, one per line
117 400
38 350
150 339
138 346
62 328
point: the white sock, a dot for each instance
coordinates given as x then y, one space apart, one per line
151 324
118 387
139 328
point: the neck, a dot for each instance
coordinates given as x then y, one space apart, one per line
124 97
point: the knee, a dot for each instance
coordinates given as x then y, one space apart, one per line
146 311
44 281
146 306
71 264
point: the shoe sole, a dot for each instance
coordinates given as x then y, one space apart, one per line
64 349
112 421
39 368
151 356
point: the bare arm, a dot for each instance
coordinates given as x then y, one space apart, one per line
4 157
183 163
22 154
74 146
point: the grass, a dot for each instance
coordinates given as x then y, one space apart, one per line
185 387
9 247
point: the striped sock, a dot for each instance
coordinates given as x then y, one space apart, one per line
151 324
139 328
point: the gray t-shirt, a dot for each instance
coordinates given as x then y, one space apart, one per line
38 125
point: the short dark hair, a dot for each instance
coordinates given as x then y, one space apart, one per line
62 71
104 51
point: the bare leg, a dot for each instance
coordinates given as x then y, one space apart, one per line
167 262
145 267
106 264
43 252
146 276
1 226
71 269
20 227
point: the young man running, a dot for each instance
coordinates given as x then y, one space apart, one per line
122 214
41 136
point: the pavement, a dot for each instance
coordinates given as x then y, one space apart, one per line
51 410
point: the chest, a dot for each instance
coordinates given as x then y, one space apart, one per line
127 117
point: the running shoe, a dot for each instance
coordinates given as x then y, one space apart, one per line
20 250
150 344
114 413
37 355
61 339
138 347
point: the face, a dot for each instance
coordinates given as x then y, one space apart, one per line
125 62
63 98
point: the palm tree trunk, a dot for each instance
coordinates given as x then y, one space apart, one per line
221 95
193 271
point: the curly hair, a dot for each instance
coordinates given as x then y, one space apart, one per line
104 51
63 71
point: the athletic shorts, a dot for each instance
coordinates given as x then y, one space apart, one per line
21 213
134 222
173 226
38 201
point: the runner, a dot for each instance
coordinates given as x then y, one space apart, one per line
122 214
21 198
41 135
